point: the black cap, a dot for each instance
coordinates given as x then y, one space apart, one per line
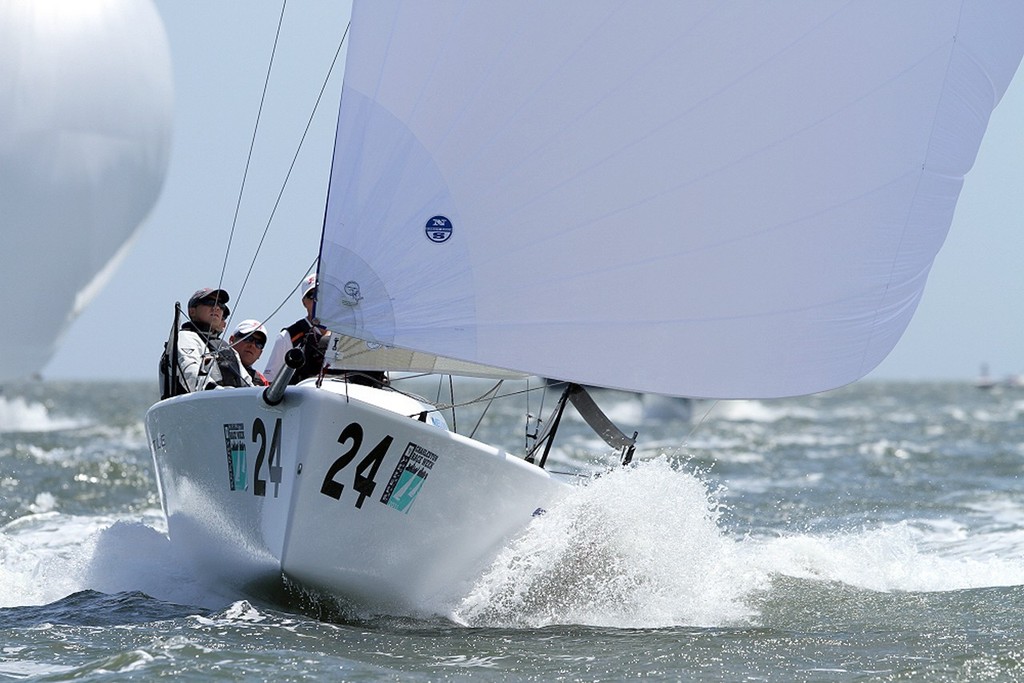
215 295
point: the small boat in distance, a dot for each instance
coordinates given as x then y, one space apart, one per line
984 380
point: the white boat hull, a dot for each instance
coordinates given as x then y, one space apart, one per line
367 503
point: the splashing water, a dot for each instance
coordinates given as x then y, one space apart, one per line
19 415
638 547
46 556
643 547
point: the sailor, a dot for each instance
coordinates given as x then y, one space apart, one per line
305 333
222 325
248 340
205 361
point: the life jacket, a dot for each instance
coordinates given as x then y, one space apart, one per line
227 361
170 385
170 382
220 350
257 377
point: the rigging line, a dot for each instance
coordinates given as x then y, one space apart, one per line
295 157
461 404
288 296
483 413
538 418
437 396
700 423
252 145
439 407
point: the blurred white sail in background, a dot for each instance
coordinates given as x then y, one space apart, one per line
85 124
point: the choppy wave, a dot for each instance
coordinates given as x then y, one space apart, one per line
46 556
20 415
639 547
643 547
867 493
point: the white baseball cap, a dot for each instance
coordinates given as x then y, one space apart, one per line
308 285
247 327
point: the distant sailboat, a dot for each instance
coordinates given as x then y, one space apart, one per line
1014 381
984 379
85 124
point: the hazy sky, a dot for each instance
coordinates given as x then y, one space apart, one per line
972 312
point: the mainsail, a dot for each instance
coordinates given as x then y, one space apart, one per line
85 120
713 199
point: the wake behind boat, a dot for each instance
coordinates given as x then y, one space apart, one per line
540 190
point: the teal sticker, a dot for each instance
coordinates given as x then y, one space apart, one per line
238 463
408 478
409 484
234 442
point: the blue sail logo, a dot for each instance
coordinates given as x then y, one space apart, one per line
438 229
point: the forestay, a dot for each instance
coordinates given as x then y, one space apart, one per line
718 199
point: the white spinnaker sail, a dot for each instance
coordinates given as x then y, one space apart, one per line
85 123
723 199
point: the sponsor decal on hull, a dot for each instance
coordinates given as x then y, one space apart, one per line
408 477
234 443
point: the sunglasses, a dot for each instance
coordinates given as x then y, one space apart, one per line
250 340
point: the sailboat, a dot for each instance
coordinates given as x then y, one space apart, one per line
984 380
86 102
701 199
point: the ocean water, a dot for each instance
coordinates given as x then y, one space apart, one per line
874 533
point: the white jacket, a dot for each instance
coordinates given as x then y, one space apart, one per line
197 362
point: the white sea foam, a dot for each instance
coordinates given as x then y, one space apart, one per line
42 557
897 557
754 411
641 547
637 547
44 502
30 669
624 411
45 557
19 415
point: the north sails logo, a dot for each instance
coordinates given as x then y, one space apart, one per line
438 229
352 294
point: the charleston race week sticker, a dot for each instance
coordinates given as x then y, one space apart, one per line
408 477
234 443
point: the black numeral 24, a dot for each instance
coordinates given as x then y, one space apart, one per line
259 434
366 470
